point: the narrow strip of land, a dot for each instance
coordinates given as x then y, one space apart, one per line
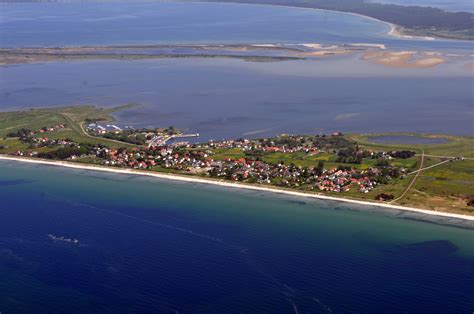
233 185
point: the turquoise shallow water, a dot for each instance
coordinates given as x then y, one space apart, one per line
156 246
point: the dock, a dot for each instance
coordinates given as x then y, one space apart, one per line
162 140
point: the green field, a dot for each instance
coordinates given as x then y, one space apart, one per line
73 117
456 145
444 187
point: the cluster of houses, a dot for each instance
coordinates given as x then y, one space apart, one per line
98 129
404 154
198 159
165 156
333 180
265 145
25 134
152 137
29 136
240 169
27 153
49 129
44 141
336 180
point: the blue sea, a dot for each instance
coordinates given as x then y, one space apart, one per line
152 246
74 241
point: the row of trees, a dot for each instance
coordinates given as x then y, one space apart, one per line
68 152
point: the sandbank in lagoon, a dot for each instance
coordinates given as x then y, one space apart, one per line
403 59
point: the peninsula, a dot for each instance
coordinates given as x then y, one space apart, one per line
434 175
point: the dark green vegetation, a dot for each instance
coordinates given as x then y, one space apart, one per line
444 183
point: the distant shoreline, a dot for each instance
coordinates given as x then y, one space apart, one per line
393 31
191 179
397 29
393 28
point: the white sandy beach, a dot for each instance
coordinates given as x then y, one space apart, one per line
395 33
231 185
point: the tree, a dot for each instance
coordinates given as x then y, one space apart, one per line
319 169
382 162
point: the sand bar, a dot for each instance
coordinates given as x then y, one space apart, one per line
403 59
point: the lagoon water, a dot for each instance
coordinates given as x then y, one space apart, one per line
222 98
147 245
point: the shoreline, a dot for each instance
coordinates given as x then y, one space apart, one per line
395 32
392 32
226 184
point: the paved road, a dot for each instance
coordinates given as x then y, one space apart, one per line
81 130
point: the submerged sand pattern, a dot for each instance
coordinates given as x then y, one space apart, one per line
404 59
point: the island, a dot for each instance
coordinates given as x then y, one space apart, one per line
429 172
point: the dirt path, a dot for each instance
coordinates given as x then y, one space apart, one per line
422 161
432 166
